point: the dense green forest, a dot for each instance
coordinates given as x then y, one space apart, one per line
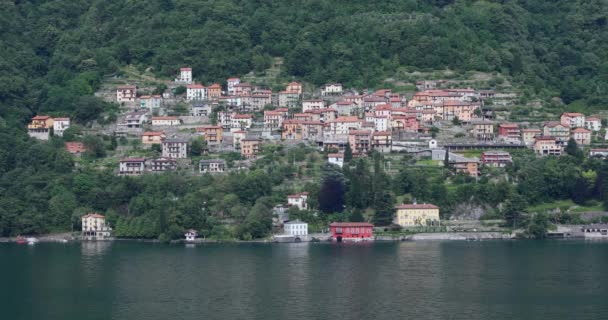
54 55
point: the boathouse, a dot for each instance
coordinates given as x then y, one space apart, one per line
351 231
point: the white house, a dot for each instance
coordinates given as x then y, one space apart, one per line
201 110
60 125
315 104
185 75
331 89
94 227
166 121
191 235
150 102
126 93
299 200
212 166
336 158
131 166
174 148
135 119
595 231
598 153
231 83
593 123
241 121
296 228
196 92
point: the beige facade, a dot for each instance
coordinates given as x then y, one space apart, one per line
408 215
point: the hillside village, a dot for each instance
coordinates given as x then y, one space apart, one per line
194 128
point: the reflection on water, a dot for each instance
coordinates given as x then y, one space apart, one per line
406 280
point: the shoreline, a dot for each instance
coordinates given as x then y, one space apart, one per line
419 237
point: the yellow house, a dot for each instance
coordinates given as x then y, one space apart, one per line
416 214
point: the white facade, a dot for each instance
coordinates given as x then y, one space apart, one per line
298 200
296 228
331 89
343 124
131 167
336 158
190 235
196 92
381 123
185 75
231 83
60 125
94 227
593 124
240 122
150 102
312 105
175 149
166 121
126 93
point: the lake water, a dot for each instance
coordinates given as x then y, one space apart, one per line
406 280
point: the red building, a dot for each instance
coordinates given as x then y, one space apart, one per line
351 231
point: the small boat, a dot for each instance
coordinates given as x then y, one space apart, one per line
20 240
31 241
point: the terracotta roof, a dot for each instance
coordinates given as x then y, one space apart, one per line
242 116
61 119
552 124
165 118
203 128
41 118
335 155
572 114
233 79
75 147
508 125
593 119
195 86
153 133
382 133
215 86
185 69
93 215
133 160
581 130
359 132
347 119
417 206
350 224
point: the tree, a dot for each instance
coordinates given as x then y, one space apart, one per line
95 146
348 153
573 149
331 193
197 147
539 226
513 210
456 121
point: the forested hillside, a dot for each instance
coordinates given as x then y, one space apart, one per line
54 55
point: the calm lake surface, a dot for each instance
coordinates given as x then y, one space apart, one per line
407 280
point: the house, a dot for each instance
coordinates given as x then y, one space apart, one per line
152 137
351 231
60 125
344 108
342 125
242 89
126 93
231 83
291 130
75 148
296 228
546 145
135 119
162 165
336 158
509 132
593 123
603 153
250 147
463 110
467 166
273 119
213 134
323 115
298 200
404 123
94 227
409 215
201 109
497 159
371 102
528 135
303 116
185 76
382 141
294 87
555 129
237 136
315 104
241 121
40 127
214 91
196 92
166 121
150 102
131 166
483 129
312 130
175 148
331 89
582 136
256 101
360 141
595 230
572 120
212 166
224 119
191 235
288 99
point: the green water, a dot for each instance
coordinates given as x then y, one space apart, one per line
421 280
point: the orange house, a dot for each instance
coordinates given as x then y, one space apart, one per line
152 137
41 122
214 90
213 134
291 130
250 147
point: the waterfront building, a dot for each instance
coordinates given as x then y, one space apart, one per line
94 227
191 235
296 228
408 215
353 231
